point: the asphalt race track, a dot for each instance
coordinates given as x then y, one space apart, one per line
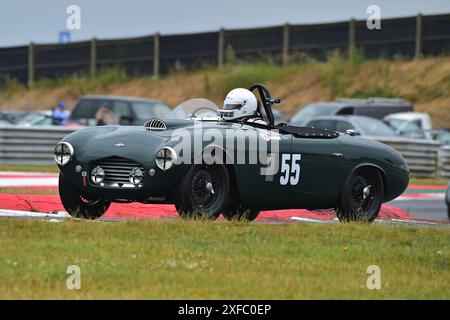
424 202
433 209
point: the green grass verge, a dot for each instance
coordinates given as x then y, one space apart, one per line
429 181
184 260
44 191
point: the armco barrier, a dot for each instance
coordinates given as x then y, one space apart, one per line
27 145
34 145
444 161
421 155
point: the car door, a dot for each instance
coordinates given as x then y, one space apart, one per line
258 186
319 162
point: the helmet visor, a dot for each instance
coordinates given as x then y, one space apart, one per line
234 106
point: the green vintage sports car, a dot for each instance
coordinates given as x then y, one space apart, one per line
207 165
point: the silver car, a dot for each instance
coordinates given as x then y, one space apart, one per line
357 125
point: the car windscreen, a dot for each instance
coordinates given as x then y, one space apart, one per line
87 108
198 108
313 110
407 128
373 127
146 110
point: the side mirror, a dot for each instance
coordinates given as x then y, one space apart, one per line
352 132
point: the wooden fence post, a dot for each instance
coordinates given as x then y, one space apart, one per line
220 48
351 38
93 57
419 35
285 56
156 50
31 63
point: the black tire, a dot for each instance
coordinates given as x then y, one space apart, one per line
78 204
195 200
237 212
448 211
357 205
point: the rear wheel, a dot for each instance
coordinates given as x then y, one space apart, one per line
203 192
237 212
79 204
362 196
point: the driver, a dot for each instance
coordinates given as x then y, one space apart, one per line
239 104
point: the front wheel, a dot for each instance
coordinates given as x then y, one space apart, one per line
362 196
79 204
203 192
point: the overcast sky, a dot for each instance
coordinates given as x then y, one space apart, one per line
41 21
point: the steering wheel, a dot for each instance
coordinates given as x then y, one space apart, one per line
265 102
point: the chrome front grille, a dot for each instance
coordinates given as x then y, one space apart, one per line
117 172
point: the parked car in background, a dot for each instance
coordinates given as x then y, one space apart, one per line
440 135
372 107
420 119
12 116
359 125
407 128
98 110
37 118
43 118
410 124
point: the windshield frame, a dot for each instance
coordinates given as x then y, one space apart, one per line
190 107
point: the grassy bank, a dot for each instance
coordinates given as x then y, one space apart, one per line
425 82
177 259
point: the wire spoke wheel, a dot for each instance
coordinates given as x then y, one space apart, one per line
362 197
206 189
203 192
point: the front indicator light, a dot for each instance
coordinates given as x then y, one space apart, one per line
136 176
97 175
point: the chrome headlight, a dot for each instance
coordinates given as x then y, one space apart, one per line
165 158
63 153
97 174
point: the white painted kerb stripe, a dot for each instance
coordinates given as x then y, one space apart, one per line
60 215
28 182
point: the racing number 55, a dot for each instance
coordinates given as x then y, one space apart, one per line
290 169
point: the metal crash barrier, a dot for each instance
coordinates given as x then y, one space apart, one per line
30 145
444 161
421 155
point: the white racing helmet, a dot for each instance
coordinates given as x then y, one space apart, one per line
239 103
